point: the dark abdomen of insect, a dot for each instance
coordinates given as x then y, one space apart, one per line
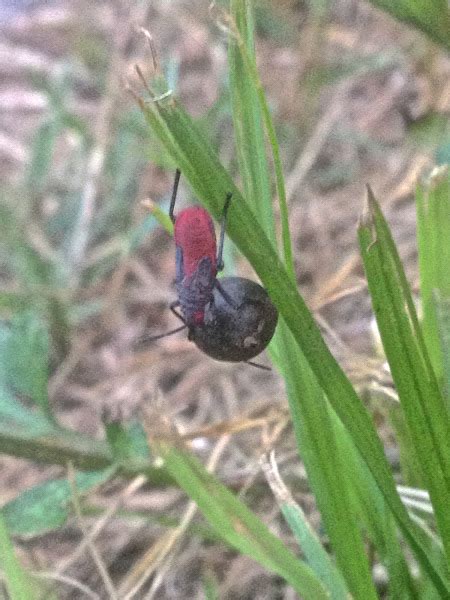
236 333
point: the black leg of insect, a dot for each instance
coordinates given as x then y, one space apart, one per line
174 195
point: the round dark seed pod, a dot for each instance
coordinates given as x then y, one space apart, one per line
238 331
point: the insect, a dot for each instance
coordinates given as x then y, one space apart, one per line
231 319
197 259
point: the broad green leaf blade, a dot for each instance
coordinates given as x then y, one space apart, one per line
24 354
431 17
235 523
27 434
306 537
47 506
423 405
433 233
17 581
193 154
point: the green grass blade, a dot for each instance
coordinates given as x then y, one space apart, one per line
43 147
433 233
247 119
423 405
326 470
314 552
384 232
306 537
325 465
433 18
161 216
241 59
17 581
377 520
193 154
235 523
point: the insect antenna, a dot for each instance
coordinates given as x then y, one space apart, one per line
152 338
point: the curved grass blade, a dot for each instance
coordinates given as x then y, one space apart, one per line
325 465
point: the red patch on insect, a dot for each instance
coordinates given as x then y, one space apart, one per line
194 233
199 317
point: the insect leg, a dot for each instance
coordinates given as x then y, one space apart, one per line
222 232
257 365
174 195
228 299
173 306
152 338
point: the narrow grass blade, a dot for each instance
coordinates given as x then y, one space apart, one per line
370 508
314 432
233 521
325 465
193 154
247 119
160 215
307 539
17 581
433 233
433 18
241 60
423 405
43 147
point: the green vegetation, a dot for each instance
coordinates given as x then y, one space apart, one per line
347 469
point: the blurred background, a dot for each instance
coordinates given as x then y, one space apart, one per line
356 97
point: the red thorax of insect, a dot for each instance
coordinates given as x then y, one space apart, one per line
197 259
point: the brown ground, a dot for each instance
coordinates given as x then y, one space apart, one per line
335 138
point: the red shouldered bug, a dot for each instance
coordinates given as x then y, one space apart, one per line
232 319
196 262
